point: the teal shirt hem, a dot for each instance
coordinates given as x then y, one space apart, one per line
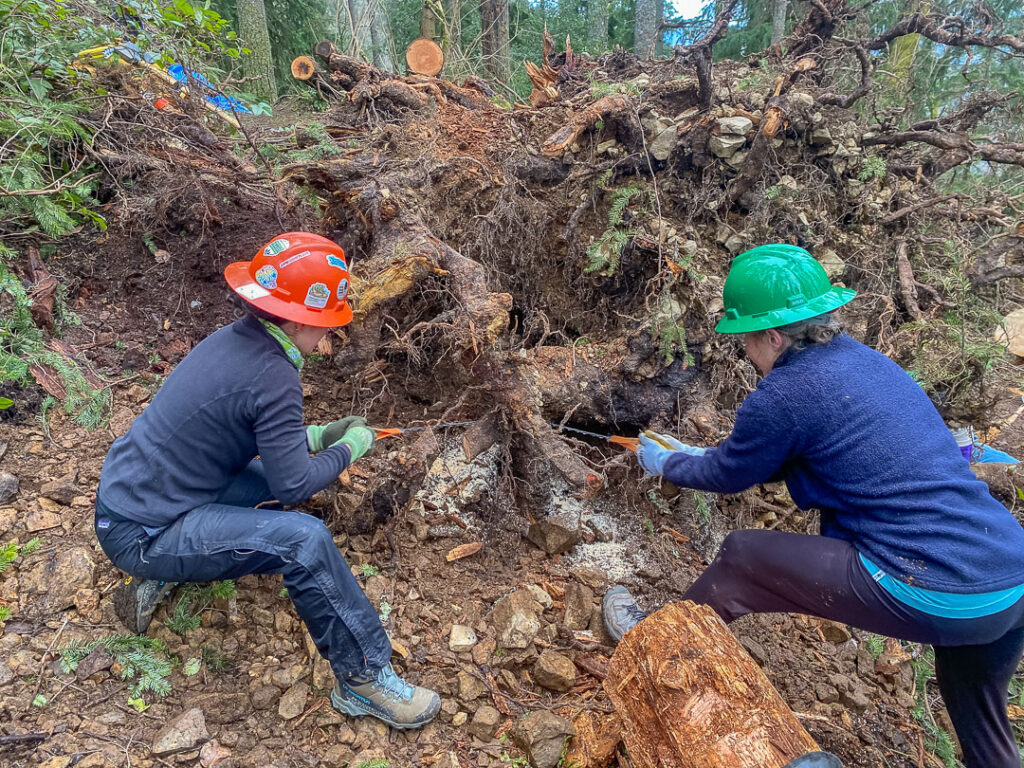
944 604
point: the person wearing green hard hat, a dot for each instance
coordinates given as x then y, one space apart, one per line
912 544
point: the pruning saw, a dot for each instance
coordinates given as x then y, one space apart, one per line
396 431
631 443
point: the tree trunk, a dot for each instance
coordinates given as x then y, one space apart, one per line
360 20
452 42
645 27
252 30
779 20
428 22
383 40
494 42
597 29
689 694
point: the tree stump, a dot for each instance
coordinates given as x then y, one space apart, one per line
690 696
424 57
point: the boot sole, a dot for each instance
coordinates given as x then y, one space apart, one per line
125 603
352 709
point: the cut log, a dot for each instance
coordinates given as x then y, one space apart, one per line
424 57
324 48
690 696
303 68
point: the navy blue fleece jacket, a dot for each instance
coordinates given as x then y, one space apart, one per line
234 396
855 437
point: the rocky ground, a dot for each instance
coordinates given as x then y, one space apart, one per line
496 633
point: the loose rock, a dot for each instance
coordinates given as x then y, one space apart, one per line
462 638
579 604
726 145
293 702
62 490
8 487
514 619
57 579
554 672
485 723
212 753
554 534
541 735
738 126
185 732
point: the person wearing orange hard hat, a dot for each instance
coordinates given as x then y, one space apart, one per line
183 498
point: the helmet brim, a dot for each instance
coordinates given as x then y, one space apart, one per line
827 302
241 282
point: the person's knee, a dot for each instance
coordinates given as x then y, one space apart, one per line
737 550
313 535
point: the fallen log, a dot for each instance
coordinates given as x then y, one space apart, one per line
424 57
303 68
690 696
561 139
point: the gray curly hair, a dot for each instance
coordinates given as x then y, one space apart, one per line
814 330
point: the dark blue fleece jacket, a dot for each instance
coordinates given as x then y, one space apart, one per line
854 436
234 396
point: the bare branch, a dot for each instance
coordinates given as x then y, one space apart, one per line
700 52
847 100
947 30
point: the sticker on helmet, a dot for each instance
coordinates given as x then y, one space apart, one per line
251 291
267 277
317 296
334 261
292 259
275 247
342 289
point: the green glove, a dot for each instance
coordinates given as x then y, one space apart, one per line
320 436
360 440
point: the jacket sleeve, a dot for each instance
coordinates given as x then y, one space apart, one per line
762 440
292 474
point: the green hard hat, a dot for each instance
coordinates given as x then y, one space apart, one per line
774 285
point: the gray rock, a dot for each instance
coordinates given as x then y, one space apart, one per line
265 696
554 672
800 100
821 136
834 632
462 638
293 702
515 619
541 735
62 490
734 244
834 266
8 487
183 733
579 604
212 754
323 675
554 535
855 699
726 145
663 144
540 595
738 126
97 661
485 723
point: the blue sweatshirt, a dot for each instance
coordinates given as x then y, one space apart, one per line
854 436
234 396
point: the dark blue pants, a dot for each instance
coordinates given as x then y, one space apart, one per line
776 572
229 539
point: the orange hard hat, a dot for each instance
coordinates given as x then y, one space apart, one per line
297 276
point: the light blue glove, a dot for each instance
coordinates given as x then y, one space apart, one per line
653 453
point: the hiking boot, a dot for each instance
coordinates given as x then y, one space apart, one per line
388 698
137 599
620 612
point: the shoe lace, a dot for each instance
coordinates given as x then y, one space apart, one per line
636 613
391 685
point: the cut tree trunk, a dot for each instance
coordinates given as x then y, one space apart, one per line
303 68
690 696
424 57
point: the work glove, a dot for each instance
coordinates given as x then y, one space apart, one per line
654 450
359 439
320 436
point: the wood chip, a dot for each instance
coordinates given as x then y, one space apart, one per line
400 649
463 550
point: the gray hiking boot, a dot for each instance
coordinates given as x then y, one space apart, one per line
137 599
620 612
388 698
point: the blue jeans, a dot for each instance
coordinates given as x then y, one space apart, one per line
229 538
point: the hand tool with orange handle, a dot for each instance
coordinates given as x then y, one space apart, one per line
626 442
395 431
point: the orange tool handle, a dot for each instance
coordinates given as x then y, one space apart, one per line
632 443
389 432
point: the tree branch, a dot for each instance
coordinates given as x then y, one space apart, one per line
700 52
947 30
847 100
